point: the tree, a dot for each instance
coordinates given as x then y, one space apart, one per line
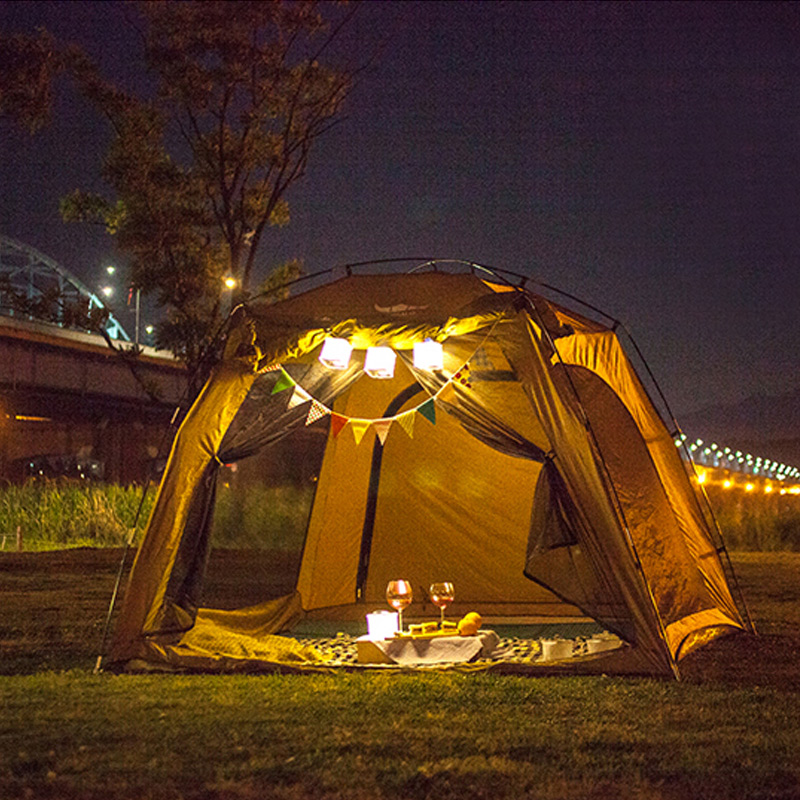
200 170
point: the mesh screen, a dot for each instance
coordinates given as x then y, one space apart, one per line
260 517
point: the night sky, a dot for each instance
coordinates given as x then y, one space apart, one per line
642 156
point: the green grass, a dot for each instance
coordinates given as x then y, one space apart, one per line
404 737
58 514
731 729
53 515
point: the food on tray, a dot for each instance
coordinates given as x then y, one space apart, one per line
423 628
469 624
449 627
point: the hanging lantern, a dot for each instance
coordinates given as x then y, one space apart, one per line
428 356
379 362
336 353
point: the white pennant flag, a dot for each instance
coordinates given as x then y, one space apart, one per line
299 396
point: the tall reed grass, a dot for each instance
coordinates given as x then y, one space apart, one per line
756 521
262 517
55 514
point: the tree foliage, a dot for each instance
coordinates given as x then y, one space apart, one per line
199 170
28 65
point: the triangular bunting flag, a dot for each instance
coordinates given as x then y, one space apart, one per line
298 397
360 427
283 382
428 410
317 411
337 423
407 423
382 428
481 360
446 392
462 376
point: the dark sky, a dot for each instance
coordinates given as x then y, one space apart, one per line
642 156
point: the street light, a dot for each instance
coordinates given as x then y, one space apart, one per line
230 283
134 293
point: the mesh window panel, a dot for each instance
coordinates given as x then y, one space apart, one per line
260 517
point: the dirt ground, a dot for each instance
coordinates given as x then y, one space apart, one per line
54 605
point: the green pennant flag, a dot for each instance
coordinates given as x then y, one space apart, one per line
428 410
283 382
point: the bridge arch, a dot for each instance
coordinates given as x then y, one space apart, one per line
32 273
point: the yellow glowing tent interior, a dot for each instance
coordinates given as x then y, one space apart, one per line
533 471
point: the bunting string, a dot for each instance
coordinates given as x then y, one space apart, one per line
359 426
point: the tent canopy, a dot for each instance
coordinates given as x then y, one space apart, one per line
532 470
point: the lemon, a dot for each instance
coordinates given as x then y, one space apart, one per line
469 624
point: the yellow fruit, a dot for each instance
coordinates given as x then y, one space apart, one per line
469 624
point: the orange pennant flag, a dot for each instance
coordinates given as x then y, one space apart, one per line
382 428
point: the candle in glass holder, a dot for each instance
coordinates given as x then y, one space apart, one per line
382 624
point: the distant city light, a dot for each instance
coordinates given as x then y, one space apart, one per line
716 456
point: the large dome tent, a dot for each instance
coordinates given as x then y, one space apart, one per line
532 468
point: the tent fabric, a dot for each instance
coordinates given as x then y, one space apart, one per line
532 470
601 355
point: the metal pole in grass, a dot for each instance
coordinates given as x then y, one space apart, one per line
128 542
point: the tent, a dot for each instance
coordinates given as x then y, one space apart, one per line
532 469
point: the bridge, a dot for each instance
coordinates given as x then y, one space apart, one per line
65 391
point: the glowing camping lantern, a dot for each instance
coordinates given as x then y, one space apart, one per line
382 624
379 362
336 353
428 356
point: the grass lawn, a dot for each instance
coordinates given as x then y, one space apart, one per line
731 729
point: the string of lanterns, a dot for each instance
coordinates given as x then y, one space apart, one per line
379 363
380 360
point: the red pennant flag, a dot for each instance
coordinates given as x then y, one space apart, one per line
337 423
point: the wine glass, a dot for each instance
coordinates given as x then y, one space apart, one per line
442 594
398 596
